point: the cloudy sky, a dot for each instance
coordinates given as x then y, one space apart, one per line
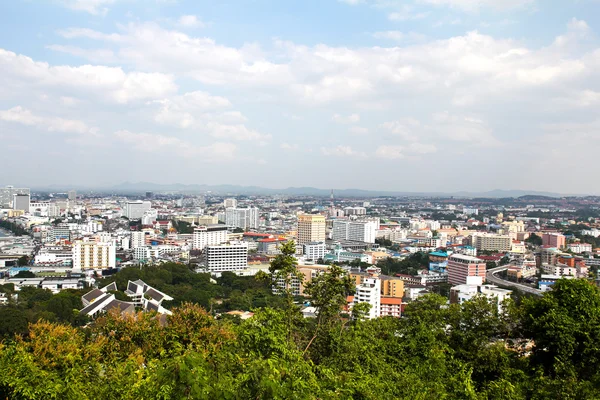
415 95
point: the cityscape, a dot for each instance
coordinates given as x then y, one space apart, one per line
333 199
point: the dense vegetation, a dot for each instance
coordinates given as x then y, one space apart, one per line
545 347
410 265
14 228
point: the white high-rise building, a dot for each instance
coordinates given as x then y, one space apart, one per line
209 236
72 195
244 218
369 291
357 231
227 257
149 217
314 250
138 239
92 255
7 195
136 209
230 203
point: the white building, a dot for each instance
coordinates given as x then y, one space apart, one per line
244 218
230 203
462 293
355 211
138 239
470 211
135 209
209 235
580 247
314 250
92 255
559 270
149 217
369 292
358 231
227 257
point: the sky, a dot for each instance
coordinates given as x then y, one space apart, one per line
415 95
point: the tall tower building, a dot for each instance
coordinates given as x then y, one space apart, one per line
311 228
230 203
72 195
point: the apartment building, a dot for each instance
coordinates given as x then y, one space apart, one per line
243 218
92 255
357 231
227 257
209 235
461 266
314 250
311 228
135 210
491 242
552 239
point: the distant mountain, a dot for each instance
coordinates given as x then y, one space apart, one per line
141 187
311 191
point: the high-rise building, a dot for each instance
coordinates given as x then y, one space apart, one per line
491 242
138 239
244 218
557 240
357 231
7 195
369 291
136 209
93 255
72 195
311 228
227 257
21 202
209 236
230 203
460 267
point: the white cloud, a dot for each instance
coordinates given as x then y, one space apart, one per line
475 5
24 116
110 83
94 7
153 143
190 21
236 132
288 146
342 151
359 130
348 119
390 152
407 128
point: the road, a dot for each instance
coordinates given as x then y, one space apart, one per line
492 278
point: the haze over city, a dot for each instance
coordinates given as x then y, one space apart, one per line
429 95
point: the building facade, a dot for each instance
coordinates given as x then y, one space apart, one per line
461 266
227 257
311 228
357 231
92 255
209 236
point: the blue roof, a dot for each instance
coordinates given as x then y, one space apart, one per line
438 254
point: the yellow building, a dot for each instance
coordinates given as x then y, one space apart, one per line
311 228
376 256
392 286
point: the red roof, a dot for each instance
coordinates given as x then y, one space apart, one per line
257 234
391 300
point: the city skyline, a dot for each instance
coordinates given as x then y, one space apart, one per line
420 96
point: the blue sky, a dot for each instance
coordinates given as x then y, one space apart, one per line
421 95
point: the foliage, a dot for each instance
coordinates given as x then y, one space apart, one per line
534 239
546 347
410 265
